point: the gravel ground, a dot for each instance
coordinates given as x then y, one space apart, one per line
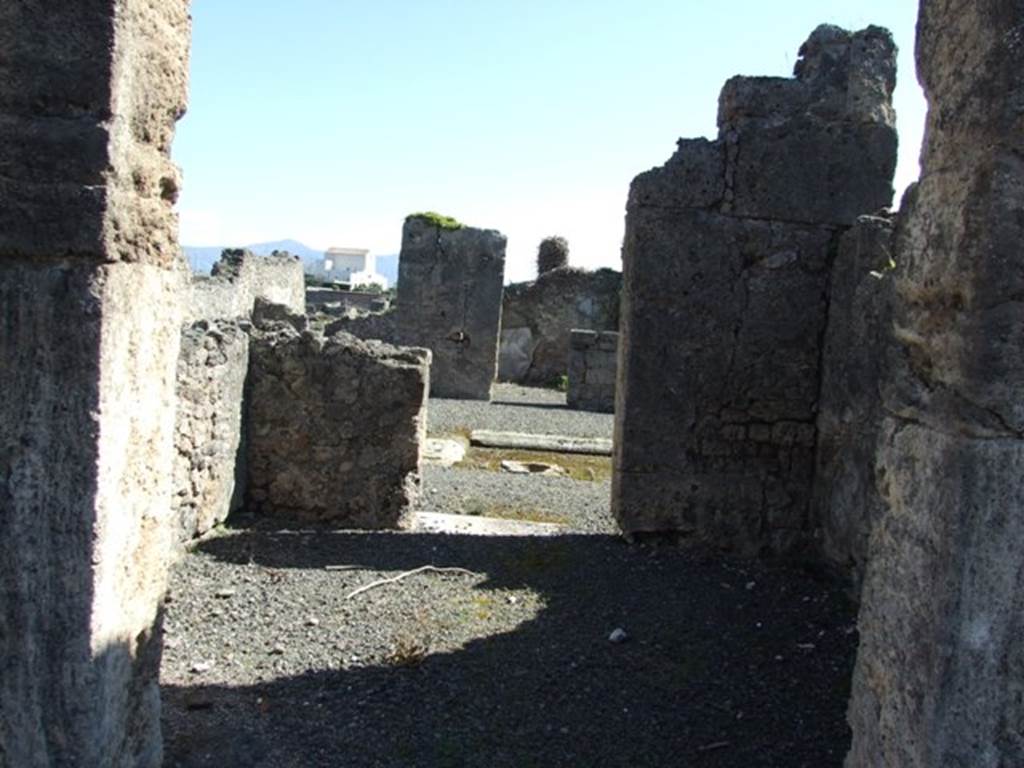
268 662
517 409
584 506
268 665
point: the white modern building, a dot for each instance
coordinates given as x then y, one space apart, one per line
351 266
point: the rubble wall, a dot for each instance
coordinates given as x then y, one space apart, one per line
334 428
538 317
211 375
241 277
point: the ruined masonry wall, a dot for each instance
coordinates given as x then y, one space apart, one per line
538 317
240 277
449 301
727 260
380 326
940 664
210 381
335 428
593 363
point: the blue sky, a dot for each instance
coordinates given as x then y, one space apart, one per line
328 120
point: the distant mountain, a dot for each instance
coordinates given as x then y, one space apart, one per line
202 258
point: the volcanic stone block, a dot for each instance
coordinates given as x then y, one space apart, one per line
806 171
715 425
857 345
90 321
86 529
211 378
940 668
88 102
694 177
593 362
727 261
538 317
820 148
334 428
449 301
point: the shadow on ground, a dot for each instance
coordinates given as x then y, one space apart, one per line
535 405
728 664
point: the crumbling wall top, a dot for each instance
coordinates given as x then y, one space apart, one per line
840 76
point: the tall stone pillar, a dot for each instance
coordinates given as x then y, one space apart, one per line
939 679
90 286
726 271
450 283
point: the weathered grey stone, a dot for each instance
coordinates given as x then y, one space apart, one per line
88 101
857 340
593 365
726 294
715 424
90 317
597 446
264 312
694 177
86 528
821 148
515 354
940 665
334 428
380 326
211 377
240 278
940 669
537 319
449 301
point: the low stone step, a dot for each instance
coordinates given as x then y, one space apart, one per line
597 446
471 525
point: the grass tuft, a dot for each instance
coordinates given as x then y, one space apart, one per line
437 219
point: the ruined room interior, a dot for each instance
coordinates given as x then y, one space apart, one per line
771 514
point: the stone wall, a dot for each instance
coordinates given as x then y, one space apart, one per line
211 377
335 428
593 362
241 277
90 318
381 326
727 261
940 668
537 318
449 301
856 347
329 299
